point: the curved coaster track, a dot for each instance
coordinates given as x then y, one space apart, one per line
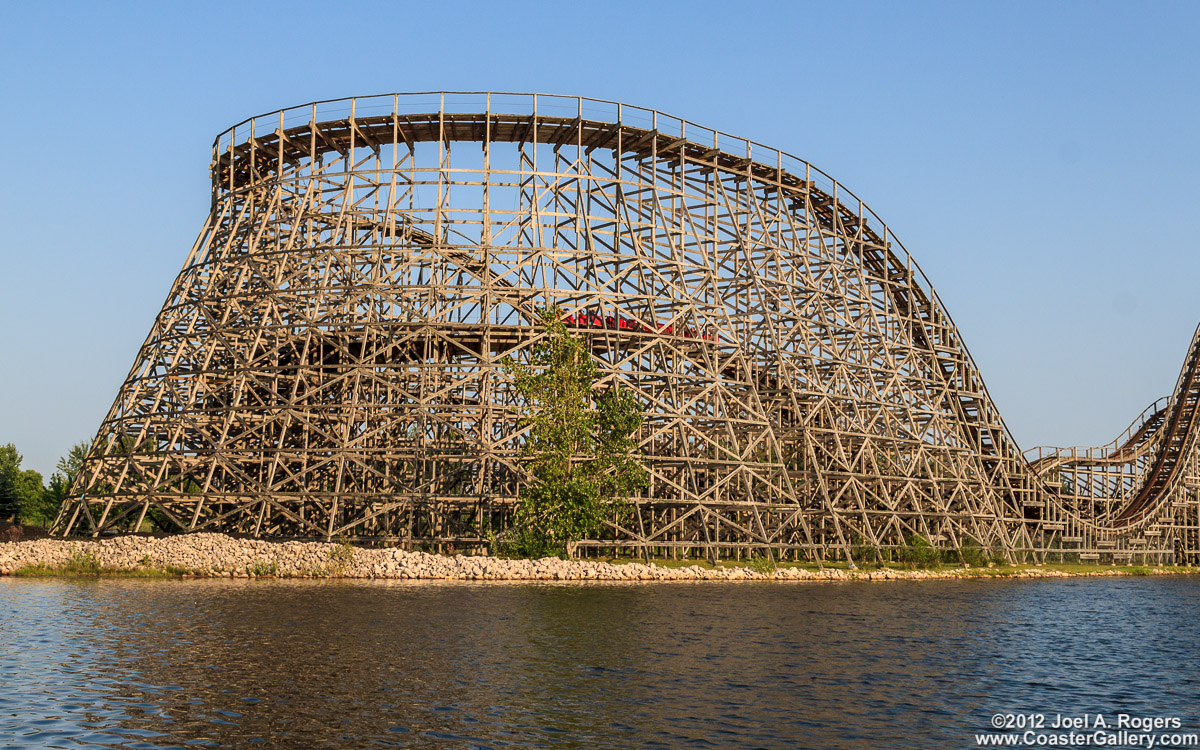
328 363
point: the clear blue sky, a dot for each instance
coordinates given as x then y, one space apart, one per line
1040 160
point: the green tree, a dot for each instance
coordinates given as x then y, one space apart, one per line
10 474
70 464
579 446
31 491
27 497
52 499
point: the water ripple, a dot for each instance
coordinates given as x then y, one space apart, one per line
149 664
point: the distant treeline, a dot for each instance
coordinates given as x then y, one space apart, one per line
24 497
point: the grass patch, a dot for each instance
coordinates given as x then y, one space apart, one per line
342 555
86 565
59 571
315 571
340 558
264 568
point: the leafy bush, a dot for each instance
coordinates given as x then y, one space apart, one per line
862 552
919 553
520 541
761 564
975 555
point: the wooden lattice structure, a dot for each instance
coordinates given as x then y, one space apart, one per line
328 361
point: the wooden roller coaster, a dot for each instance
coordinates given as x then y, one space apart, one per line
328 363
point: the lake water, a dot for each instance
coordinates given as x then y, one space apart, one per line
342 664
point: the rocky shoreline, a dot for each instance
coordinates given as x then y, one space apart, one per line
217 555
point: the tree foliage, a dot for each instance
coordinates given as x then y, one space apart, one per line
579 446
10 478
31 489
60 484
23 496
56 493
70 464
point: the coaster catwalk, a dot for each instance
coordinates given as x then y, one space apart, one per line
328 363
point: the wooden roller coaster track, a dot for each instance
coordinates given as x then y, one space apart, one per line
328 362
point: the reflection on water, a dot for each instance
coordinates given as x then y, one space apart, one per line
147 664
